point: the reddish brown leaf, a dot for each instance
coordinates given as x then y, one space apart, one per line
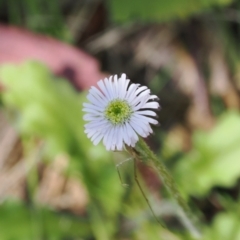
18 45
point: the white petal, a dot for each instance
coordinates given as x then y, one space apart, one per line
142 102
119 139
104 89
140 97
95 100
97 124
116 86
124 88
154 105
97 138
114 137
126 137
109 87
91 106
140 89
90 133
92 117
132 88
96 94
154 97
148 119
132 135
147 113
96 112
107 138
144 125
123 77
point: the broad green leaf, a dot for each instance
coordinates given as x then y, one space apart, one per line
159 10
214 160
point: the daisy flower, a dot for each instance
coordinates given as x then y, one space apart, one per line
119 112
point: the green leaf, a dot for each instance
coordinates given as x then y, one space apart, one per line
214 160
159 10
225 226
44 107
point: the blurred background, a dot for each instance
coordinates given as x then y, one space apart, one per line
54 184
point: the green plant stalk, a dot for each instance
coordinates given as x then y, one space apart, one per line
142 152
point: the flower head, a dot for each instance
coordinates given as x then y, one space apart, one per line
119 112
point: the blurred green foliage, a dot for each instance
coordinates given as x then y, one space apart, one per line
214 158
44 107
159 10
48 108
42 16
225 226
28 222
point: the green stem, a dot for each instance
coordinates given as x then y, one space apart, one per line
143 153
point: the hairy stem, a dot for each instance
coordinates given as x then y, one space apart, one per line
143 153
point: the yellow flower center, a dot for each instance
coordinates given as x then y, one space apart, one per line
118 111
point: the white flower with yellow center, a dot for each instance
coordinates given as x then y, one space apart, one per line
119 112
